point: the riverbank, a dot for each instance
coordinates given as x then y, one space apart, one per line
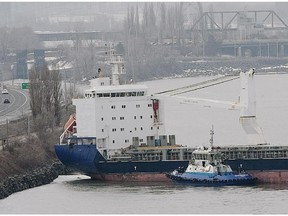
31 179
26 160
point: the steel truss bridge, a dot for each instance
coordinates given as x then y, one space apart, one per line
229 20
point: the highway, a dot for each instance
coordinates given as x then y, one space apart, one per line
18 106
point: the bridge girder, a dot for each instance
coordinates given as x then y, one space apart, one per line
227 20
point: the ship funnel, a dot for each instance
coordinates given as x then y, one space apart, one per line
248 110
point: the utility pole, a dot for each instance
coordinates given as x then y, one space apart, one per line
28 125
7 131
65 90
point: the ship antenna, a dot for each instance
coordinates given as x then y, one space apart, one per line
211 138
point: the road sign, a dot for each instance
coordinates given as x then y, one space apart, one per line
25 85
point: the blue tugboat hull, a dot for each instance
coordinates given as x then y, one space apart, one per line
235 180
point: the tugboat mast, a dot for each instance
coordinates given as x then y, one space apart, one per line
211 138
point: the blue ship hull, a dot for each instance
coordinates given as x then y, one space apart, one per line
259 164
87 160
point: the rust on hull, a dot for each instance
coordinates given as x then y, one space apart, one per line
132 177
275 176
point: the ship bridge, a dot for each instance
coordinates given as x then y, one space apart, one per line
119 91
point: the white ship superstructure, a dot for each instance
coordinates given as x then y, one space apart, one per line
119 115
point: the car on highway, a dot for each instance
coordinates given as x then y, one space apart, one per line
4 91
6 100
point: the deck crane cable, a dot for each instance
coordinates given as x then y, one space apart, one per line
197 86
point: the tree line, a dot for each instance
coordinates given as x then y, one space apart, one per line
153 44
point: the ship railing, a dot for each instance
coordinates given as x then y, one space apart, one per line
62 137
116 59
121 158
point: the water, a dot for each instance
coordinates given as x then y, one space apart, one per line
77 194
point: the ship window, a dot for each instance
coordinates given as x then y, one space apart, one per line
141 128
102 130
133 94
121 118
268 154
135 128
140 140
123 106
113 129
113 118
102 83
122 129
113 107
151 128
106 95
137 105
113 94
126 141
134 117
113 141
122 94
140 117
99 95
102 119
149 105
151 116
140 93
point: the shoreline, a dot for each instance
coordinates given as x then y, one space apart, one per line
34 178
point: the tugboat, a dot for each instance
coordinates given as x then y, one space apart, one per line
207 169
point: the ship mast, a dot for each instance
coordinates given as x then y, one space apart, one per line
117 64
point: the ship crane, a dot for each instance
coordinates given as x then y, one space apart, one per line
246 104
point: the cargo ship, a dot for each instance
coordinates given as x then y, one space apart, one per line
118 133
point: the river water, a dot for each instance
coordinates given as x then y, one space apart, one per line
77 194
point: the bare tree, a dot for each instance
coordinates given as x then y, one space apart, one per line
45 95
179 18
57 93
4 43
171 23
36 92
162 23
